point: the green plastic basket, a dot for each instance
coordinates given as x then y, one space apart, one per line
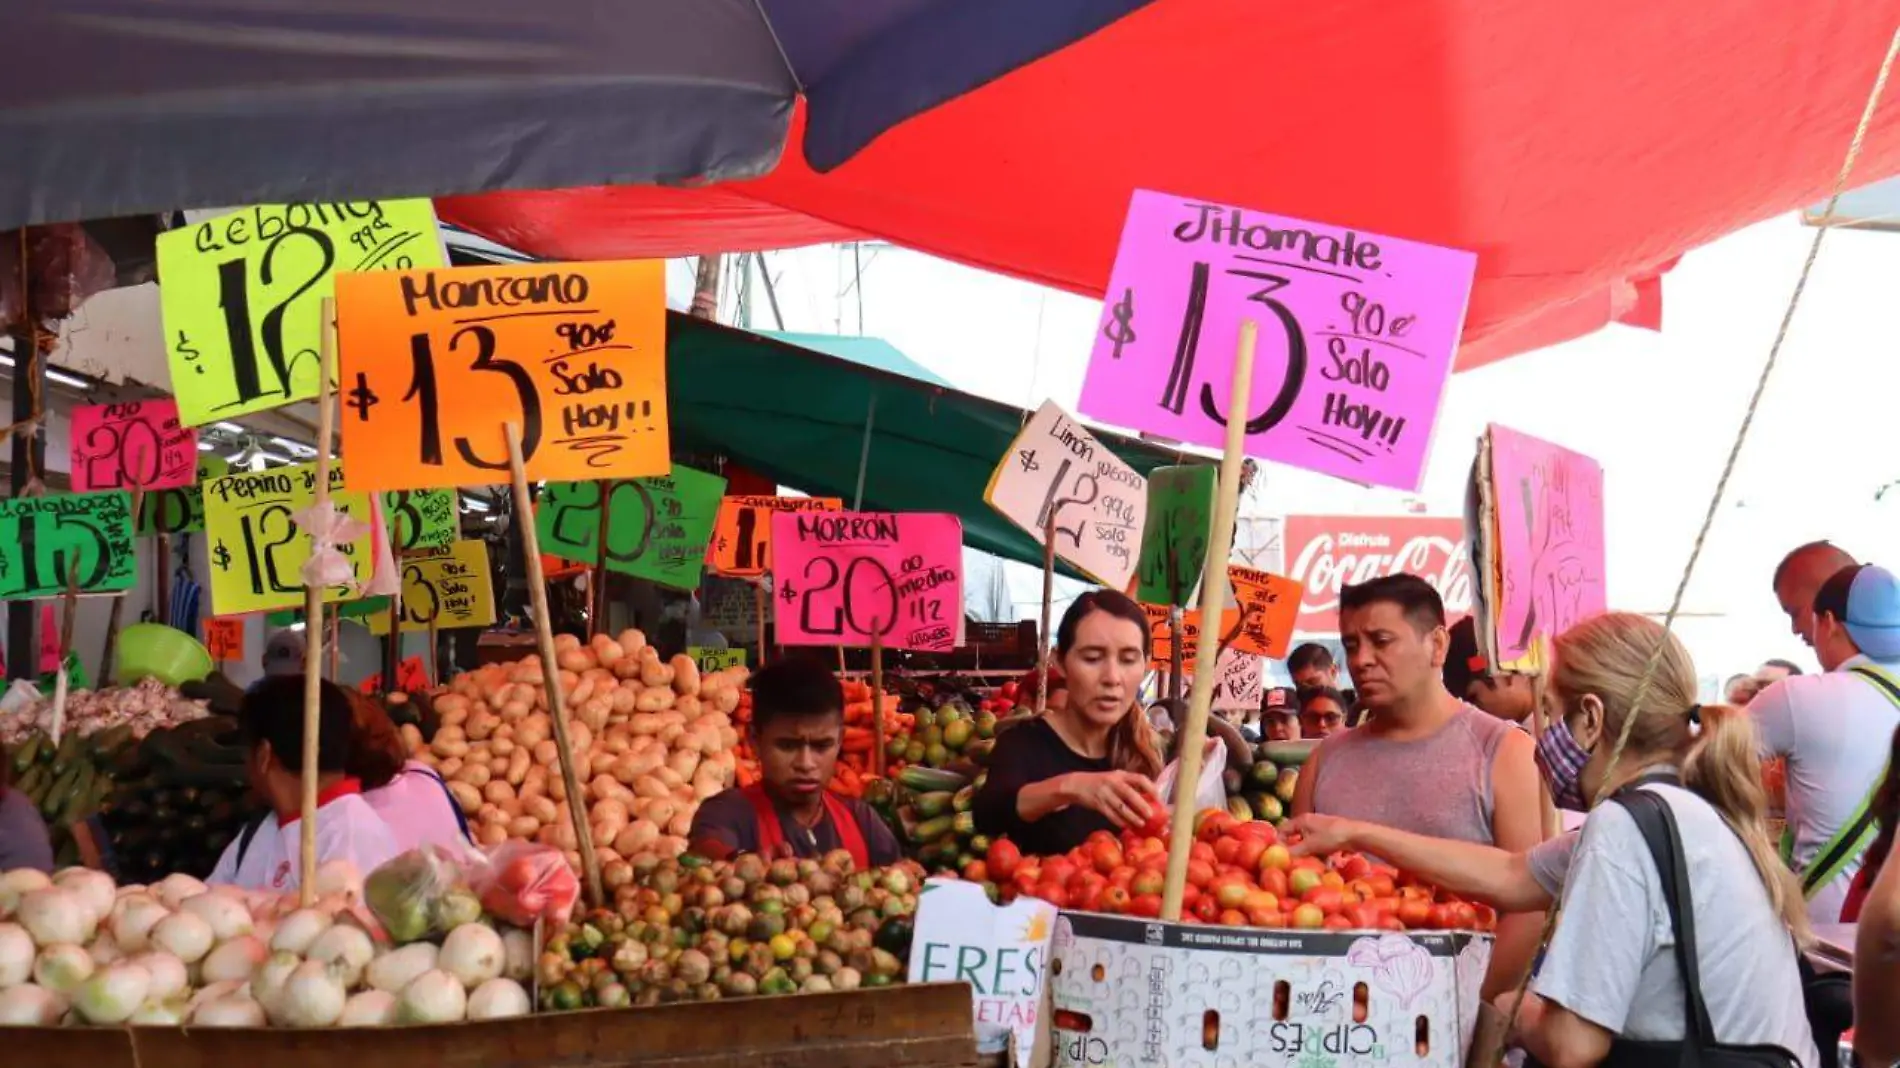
165 653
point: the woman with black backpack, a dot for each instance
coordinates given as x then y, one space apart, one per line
1679 932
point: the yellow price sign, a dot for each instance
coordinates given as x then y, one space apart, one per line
243 293
435 361
256 550
450 587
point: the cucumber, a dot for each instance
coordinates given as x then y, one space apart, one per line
934 804
932 829
964 824
27 752
930 780
964 798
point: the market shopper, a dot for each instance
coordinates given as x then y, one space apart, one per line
1468 675
1610 971
1322 712
1090 765
24 842
264 856
1425 761
798 732
1797 579
409 795
1831 729
1312 667
1280 714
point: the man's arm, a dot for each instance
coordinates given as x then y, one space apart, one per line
1517 826
715 832
1485 873
1877 969
1775 720
1554 1035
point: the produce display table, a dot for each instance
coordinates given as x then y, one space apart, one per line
905 1026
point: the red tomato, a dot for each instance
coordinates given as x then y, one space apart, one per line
1147 905
1207 910
1231 892
976 872
1365 917
1123 877
1260 901
1308 917
1487 917
1259 830
1248 854
1147 882
1232 918
1053 893
1003 858
1226 849
1106 856
1413 913
1350 865
1157 822
1462 916
1201 851
1114 899
1326 898
1381 884
1273 881
1199 873
1442 918
1211 823
1338 923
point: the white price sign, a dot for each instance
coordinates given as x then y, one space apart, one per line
1100 503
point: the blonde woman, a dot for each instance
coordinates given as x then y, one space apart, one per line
1609 990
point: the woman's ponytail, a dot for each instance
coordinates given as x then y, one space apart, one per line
1723 765
1131 744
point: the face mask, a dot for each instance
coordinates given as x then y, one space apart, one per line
1561 760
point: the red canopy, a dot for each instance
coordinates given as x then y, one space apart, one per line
1578 148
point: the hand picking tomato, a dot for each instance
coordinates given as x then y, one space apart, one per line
1002 858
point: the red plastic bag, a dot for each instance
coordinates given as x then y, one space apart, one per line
521 882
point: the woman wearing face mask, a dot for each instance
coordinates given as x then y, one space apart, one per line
1090 764
1609 977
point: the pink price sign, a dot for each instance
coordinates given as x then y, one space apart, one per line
132 445
841 577
1357 334
1550 540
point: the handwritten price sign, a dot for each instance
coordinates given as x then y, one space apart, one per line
134 444
1550 540
841 577
1180 509
224 638
243 295
659 527
741 544
257 552
1268 606
1161 636
450 587
422 519
1357 333
181 511
46 541
1056 466
716 659
434 362
1238 680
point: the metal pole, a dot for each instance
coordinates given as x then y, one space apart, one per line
29 457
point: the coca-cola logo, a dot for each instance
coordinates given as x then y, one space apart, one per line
1329 553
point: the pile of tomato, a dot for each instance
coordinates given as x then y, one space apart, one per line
1239 874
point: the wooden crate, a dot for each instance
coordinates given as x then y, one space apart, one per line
906 1026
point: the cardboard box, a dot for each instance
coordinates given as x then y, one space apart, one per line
1132 992
1000 951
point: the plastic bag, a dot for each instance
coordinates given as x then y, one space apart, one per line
521 882
422 892
1208 793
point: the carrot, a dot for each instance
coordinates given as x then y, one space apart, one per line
858 739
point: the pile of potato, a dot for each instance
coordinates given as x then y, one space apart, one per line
651 739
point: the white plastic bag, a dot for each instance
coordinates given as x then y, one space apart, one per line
1208 793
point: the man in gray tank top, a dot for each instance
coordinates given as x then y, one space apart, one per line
1422 760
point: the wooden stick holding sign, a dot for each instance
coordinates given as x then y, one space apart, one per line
597 578
550 667
1048 595
1193 735
877 700
313 622
69 612
392 646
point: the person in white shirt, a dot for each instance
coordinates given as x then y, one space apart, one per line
266 855
1832 729
409 795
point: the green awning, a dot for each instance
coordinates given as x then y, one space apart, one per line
799 416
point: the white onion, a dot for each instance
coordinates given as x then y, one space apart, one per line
105 950
184 935
313 996
369 1008
211 991
518 955
27 1005
132 918
473 954
113 995
496 999
16 884
61 967
231 1010
128 889
347 946
267 983
226 914
435 996
167 971
56 915
159 1012
95 890
398 968
174 889
296 931
233 960
339 877
16 955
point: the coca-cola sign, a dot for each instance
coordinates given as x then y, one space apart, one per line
1326 553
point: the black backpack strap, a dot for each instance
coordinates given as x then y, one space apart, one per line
461 818
244 838
1658 824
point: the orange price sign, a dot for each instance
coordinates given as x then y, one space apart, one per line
435 361
1268 606
1161 636
224 637
741 545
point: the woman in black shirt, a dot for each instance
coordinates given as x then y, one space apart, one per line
1089 765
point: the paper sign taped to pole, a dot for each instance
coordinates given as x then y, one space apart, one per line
1357 335
1056 465
842 577
1174 537
741 544
434 362
1161 635
51 541
659 526
256 550
182 510
447 588
422 519
132 445
1268 606
1550 552
224 638
243 295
